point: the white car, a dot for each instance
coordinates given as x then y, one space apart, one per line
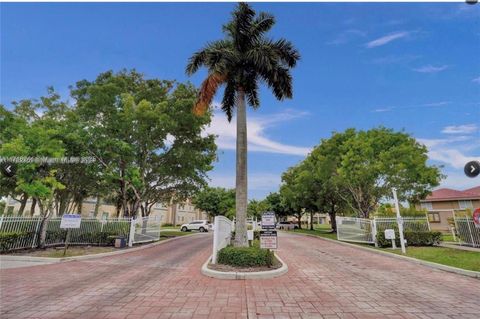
200 225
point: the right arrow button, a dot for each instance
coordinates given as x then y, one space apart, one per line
472 169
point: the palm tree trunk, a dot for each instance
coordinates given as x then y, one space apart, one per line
241 177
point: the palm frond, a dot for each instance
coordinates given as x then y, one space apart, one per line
262 24
286 52
207 92
229 98
196 61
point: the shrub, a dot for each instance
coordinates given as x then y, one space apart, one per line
245 256
167 225
7 239
427 238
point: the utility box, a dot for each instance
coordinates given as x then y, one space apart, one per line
120 242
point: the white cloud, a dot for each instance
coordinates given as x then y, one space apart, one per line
347 36
391 108
256 127
431 69
476 80
387 39
458 180
449 151
460 129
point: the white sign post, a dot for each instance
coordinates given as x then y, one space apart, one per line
268 220
268 234
390 234
399 220
68 222
268 239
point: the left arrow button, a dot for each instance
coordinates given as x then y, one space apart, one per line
8 169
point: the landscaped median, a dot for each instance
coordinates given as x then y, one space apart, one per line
245 263
450 258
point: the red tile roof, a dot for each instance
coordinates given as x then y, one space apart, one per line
473 190
445 194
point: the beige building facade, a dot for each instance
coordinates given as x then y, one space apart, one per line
177 214
442 204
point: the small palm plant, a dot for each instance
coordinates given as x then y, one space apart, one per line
241 61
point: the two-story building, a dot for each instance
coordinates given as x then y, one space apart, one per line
442 204
168 213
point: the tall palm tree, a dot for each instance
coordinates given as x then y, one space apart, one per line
241 61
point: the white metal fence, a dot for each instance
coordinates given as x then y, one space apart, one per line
467 233
222 234
363 230
145 229
409 223
24 232
360 230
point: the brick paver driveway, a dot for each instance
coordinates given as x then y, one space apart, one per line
325 280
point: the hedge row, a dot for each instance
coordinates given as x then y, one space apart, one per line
105 238
428 238
245 256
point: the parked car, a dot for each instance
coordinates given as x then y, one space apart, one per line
200 225
287 225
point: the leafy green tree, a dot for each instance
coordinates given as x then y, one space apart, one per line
376 160
293 197
145 138
216 201
241 61
257 207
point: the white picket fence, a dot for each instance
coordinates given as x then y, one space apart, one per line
363 230
467 233
222 234
92 231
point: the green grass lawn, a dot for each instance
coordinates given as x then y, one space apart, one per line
447 237
174 233
71 251
469 260
170 228
320 232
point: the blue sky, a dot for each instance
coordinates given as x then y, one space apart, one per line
411 67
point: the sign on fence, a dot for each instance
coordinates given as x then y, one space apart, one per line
70 221
268 239
268 220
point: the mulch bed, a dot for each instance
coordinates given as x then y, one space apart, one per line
228 268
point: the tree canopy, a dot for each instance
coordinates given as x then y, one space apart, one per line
356 170
216 201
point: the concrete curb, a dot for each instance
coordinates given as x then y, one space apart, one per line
469 273
245 275
86 257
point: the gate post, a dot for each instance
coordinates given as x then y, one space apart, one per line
36 233
132 232
374 232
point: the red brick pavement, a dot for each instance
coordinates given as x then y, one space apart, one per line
325 280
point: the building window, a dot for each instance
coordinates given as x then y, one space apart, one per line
434 217
465 204
104 215
427 206
91 214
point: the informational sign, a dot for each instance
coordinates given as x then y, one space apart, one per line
250 234
268 220
268 239
389 234
70 221
476 217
